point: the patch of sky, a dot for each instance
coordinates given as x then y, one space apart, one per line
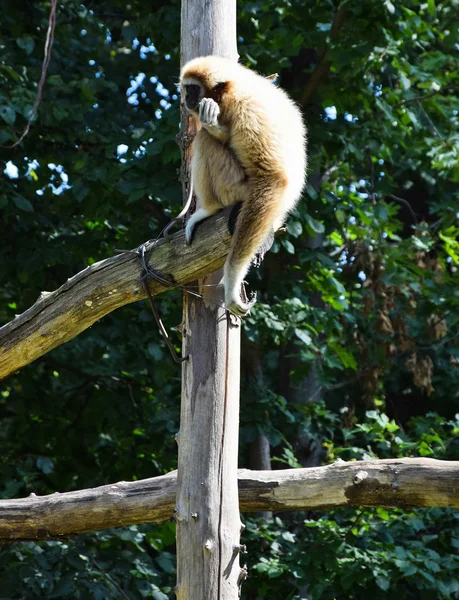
135 82
32 166
161 90
122 149
146 49
63 185
350 118
330 113
377 89
361 275
11 170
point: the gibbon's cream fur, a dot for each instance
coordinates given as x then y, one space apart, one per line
251 147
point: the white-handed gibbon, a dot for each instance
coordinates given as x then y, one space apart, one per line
251 147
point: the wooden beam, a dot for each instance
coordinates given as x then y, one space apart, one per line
208 520
402 483
59 316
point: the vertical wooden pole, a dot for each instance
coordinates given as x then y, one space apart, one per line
207 512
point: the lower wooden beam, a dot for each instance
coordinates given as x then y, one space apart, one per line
402 483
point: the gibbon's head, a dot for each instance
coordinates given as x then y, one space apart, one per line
205 77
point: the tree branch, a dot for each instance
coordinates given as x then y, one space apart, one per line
425 96
59 316
403 483
323 66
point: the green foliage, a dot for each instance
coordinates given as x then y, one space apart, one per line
353 342
128 563
355 554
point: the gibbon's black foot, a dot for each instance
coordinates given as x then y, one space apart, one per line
265 246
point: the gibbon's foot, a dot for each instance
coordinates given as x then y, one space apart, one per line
189 233
193 221
208 112
236 306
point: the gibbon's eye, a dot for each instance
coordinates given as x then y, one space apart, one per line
192 96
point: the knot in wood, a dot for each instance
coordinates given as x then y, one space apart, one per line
360 476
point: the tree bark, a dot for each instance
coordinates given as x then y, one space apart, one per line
207 510
59 316
402 483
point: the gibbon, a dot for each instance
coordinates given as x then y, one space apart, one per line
251 147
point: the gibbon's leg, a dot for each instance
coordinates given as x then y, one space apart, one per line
265 246
262 208
218 179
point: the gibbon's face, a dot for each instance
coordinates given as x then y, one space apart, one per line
193 96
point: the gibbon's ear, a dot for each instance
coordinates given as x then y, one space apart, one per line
222 87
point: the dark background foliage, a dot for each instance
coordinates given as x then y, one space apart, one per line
351 351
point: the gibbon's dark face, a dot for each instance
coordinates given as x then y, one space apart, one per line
192 96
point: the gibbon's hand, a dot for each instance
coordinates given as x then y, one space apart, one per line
208 112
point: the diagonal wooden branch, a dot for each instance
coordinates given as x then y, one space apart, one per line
402 483
59 316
